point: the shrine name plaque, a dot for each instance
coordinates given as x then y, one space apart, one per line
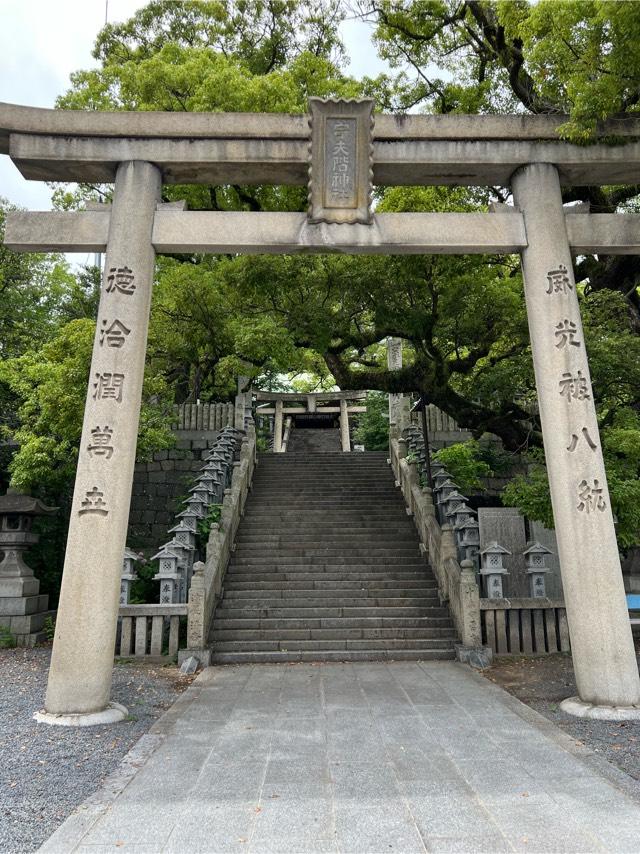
340 170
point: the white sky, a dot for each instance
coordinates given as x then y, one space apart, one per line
43 41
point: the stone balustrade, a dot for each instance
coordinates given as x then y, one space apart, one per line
206 583
149 630
456 582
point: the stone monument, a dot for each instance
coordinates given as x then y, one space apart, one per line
23 609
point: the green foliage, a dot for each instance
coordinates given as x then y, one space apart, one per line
144 588
554 56
621 449
50 383
464 462
7 640
214 514
372 428
49 628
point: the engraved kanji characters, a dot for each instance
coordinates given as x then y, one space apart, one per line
559 281
121 279
565 333
574 387
340 180
100 442
590 497
94 503
115 334
575 439
108 386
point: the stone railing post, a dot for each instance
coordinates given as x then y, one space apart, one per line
197 608
277 428
345 438
469 598
602 646
82 659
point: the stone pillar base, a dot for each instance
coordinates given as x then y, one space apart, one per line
113 714
475 656
575 706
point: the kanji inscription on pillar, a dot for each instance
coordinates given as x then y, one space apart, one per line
100 445
340 171
121 280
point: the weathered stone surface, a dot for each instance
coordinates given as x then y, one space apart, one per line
189 665
90 592
601 642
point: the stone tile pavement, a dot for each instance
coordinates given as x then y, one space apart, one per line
359 757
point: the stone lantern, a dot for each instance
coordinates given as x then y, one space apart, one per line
22 609
129 574
189 518
492 569
183 534
469 540
535 557
449 505
201 492
462 513
440 478
196 506
167 575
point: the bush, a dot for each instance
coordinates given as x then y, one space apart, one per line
372 428
464 463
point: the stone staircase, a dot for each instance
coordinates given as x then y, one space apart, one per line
327 567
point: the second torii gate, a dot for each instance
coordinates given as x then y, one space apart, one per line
140 151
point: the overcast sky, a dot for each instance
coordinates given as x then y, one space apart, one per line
43 41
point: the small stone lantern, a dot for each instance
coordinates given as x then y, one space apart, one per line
129 574
189 519
469 540
535 557
167 575
440 478
450 503
183 534
492 569
22 609
197 506
201 492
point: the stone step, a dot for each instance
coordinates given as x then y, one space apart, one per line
332 537
262 602
276 562
233 583
344 623
417 569
261 518
363 555
331 584
338 633
285 591
289 611
363 643
334 655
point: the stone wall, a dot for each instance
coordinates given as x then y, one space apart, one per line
160 486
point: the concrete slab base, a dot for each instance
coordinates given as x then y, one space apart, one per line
354 758
111 715
575 706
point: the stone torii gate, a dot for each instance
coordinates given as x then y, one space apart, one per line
140 151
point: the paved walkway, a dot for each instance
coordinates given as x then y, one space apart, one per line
364 757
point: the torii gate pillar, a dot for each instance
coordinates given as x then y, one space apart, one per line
601 642
82 659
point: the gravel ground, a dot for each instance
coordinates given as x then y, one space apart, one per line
45 772
543 682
